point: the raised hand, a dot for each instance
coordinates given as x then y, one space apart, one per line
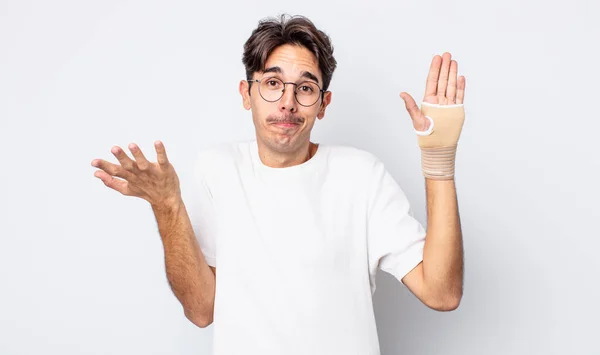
443 87
439 121
156 183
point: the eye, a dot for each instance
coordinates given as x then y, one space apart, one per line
306 89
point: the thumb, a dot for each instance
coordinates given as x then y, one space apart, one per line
419 121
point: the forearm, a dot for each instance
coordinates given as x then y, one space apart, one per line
443 251
189 276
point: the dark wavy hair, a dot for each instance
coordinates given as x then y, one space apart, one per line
298 30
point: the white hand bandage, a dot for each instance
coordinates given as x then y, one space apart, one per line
438 144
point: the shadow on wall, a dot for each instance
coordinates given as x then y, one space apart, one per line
499 305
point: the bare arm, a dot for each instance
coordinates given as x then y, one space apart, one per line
190 277
438 280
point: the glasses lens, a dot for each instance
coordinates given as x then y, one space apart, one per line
271 89
307 93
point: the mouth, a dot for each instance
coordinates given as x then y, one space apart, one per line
285 124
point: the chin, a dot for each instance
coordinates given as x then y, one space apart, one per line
281 143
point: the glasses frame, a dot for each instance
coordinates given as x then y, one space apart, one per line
284 87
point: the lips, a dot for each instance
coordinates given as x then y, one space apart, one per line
285 124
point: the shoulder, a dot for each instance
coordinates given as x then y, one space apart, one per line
353 158
361 168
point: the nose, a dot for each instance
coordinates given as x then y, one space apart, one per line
288 100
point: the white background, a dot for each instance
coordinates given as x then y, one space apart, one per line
81 266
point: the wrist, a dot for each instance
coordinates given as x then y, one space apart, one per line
438 163
169 204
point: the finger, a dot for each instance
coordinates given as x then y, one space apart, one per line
433 76
451 92
460 89
114 183
125 161
443 80
411 105
140 159
111 169
161 154
419 121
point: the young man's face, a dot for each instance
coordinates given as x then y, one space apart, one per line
284 125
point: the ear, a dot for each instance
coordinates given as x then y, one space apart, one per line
324 104
244 85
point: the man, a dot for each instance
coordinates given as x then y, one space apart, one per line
299 229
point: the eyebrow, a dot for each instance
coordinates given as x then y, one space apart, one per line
305 74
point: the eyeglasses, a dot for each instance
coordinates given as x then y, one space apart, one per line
306 93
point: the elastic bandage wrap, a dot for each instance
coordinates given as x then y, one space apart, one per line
438 144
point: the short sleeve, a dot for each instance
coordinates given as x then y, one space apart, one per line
201 210
395 238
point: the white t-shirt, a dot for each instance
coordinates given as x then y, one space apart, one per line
297 249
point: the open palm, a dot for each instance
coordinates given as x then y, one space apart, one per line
443 87
156 183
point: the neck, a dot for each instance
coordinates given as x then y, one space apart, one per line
275 159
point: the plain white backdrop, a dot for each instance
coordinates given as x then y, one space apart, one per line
81 266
